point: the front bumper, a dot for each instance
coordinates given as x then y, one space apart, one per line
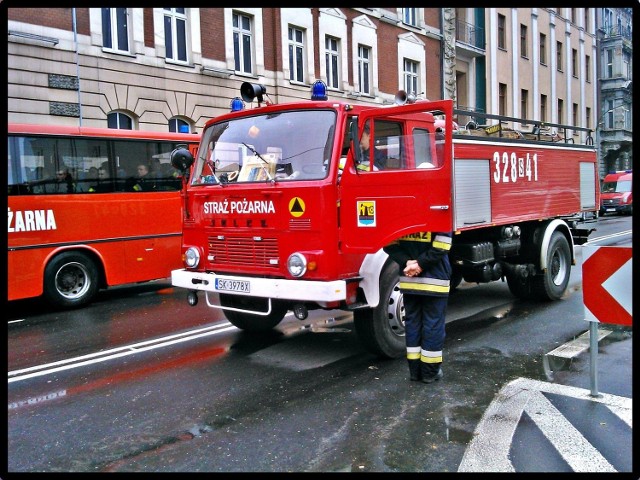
301 290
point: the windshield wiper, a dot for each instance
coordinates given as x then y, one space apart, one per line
265 162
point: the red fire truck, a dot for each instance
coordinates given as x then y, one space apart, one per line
283 212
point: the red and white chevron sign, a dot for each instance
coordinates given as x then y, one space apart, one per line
607 284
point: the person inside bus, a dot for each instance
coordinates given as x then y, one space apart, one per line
102 185
379 159
63 182
142 182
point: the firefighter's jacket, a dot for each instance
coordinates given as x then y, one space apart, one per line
431 250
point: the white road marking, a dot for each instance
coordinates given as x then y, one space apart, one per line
97 357
494 433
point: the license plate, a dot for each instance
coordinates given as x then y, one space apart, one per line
232 285
610 209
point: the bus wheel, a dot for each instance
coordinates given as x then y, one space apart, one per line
552 283
70 280
248 321
381 329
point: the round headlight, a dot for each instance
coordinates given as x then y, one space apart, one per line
297 264
192 257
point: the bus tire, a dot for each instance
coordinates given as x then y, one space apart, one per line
70 280
552 283
381 329
247 321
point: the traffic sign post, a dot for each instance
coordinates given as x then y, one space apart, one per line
606 287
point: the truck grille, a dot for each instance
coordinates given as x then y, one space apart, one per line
254 251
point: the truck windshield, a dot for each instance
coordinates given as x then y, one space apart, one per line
280 146
616 187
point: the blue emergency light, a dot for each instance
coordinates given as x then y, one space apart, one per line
319 90
237 104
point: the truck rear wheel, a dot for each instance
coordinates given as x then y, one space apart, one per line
552 283
250 322
381 329
70 280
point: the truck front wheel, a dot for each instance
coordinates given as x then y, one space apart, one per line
381 329
251 322
552 283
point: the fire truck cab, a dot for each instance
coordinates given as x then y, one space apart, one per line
284 211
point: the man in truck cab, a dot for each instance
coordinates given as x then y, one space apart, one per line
379 159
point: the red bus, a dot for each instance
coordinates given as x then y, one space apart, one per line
81 214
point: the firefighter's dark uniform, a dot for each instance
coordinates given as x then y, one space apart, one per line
425 299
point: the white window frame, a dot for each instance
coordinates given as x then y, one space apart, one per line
411 48
257 45
410 16
333 23
175 18
296 55
411 76
114 29
332 61
302 19
118 115
365 68
239 54
364 32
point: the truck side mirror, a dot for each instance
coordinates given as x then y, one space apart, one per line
181 159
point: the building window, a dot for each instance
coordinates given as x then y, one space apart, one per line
626 64
608 64
560 110
587 66
115 31
502 99
574 62
411 76
410 16
559 56
586 20
242 43
296 54
588 125
523 41
364 69
543 108
574 115
178 125
524 103
502 32
175 34
332 61
543 49
120 121
609 117
573 15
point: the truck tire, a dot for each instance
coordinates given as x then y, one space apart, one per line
249 322
381 329
552 283
70 280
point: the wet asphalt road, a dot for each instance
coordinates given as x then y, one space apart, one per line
306 398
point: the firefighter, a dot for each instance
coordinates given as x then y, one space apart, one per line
379 159
424 281
143 181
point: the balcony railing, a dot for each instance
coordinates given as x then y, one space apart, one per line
470 34
617 31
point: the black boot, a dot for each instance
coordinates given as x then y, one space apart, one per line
414 370
431 372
